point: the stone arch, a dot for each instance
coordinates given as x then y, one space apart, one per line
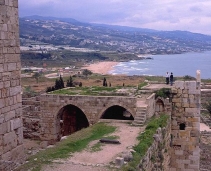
159 105
70 119
117 112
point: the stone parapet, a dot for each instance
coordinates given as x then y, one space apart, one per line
185 152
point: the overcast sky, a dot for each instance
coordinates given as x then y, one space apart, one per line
189 15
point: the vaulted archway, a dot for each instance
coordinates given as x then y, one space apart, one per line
70 119
159 106
117 112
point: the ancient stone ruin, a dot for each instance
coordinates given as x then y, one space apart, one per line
52 116
11 127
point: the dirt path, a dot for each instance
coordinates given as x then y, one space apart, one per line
99 160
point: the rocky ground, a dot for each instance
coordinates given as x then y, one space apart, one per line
99 160
205 146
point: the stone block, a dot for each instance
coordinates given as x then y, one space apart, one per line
7 84
2 2
119 161
195 167
176 100
19 133
179 152
1 118
190 85
185 105
193 119
2 103
5 110
1 68
9 115
4 128
18 154
11 66
192 110
44 144
15 90
179 84
17 123
10 141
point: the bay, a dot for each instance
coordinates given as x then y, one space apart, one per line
178 64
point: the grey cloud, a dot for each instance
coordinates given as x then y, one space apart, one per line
195 9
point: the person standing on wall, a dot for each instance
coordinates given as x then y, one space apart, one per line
171 79
167 78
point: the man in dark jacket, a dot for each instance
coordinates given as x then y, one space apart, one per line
171 79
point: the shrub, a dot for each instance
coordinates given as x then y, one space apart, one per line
164 92
188 78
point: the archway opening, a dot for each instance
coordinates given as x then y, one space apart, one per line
159 106
71 119
118 113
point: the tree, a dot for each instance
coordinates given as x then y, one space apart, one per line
57 85
36 75
61 82
70 82
87 72
104 82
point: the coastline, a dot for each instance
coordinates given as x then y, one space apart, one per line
101 67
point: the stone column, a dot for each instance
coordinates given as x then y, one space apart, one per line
11 127
185 126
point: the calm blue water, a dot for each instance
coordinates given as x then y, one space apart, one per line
180 65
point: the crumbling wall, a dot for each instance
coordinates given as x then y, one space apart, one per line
185 152
11 126
157 156
31 118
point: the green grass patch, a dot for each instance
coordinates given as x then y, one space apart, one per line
74 143
163 92
145 141
142 85
155 78
96 147
94 91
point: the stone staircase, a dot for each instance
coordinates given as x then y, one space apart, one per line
141 111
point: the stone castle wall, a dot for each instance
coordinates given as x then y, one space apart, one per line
92 106
11 127
185 128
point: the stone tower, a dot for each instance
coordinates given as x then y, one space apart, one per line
11 127
185 126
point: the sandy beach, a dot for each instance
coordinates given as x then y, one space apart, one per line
101 67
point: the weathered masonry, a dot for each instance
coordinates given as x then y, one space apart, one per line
11 127
185 128
49 116
82 111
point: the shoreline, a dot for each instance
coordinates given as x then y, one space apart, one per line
101 67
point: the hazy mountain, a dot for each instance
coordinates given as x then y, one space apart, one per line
68 31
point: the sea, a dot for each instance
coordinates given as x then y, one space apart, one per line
178 64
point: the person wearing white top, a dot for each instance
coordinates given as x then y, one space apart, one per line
167 78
